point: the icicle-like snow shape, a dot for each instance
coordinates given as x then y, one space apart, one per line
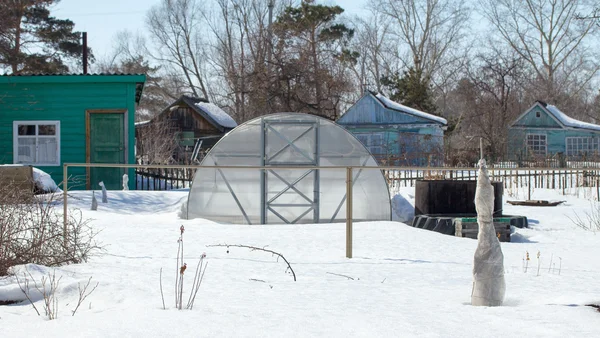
488 268
104 194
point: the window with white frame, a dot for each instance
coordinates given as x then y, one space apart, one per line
36 142
536 144
373 142
582 146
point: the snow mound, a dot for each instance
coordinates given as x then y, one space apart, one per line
43 182
402 209
569 121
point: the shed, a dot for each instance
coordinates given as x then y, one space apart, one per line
51 119
191 125
394 133
543 131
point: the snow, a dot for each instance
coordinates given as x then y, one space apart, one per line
395 105
402 208
217 114
569 121
407 282
44 182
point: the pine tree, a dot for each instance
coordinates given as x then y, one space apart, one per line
411 89
311 47
33 41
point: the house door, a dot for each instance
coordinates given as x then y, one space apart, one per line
106 144
290 195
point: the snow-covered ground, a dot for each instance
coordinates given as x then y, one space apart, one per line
406 282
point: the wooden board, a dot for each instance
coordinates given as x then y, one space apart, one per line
16 184
471 229
536 203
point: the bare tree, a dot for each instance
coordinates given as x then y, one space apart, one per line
489 99
548 36
375 44
176 29
429 29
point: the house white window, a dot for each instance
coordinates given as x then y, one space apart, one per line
36 142
373 142
536 144
582 146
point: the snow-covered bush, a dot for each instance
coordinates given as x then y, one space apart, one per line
32 231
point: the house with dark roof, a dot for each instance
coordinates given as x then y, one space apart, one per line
543 131
182 132
396 134
50 119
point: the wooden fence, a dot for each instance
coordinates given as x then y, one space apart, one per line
546 178
550 178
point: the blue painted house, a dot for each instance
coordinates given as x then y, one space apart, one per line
543 131
396 134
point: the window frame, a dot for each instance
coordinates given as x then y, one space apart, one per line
531 150
371 144
577 142
37 123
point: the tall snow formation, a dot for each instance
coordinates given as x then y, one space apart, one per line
488 267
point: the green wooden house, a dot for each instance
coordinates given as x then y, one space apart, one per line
48 120
543 131
396 134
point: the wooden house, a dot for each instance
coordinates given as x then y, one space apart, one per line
182 132
48 120
396 134
543 131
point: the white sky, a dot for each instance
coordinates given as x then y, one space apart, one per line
102 19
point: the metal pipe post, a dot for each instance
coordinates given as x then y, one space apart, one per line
349 212
65 187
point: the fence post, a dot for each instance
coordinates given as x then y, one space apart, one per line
349 212
65 217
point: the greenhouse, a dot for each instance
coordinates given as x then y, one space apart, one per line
301 194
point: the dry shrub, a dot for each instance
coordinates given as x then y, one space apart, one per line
32 230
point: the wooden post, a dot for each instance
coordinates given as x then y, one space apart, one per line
65 218
349 212
529 185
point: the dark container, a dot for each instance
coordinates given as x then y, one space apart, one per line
451 197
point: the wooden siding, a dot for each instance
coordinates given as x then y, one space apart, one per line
531 119
184 119
368 110
67 103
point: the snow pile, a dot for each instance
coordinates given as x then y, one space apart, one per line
43 181
403 209
395 105
217 114
569 121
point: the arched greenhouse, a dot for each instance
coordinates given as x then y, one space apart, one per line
276 195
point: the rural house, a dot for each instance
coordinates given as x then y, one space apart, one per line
543 131
182 132
47 120
394 133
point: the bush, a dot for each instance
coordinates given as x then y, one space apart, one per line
32 231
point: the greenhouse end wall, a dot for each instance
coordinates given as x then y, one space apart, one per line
279 195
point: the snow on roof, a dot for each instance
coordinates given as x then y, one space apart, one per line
569 121
217 114
142 123
397 106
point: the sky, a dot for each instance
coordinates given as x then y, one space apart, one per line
103 19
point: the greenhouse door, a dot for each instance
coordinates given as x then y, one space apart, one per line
290 195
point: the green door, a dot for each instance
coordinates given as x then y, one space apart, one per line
107 145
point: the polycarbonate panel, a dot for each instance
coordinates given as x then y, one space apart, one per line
278 195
